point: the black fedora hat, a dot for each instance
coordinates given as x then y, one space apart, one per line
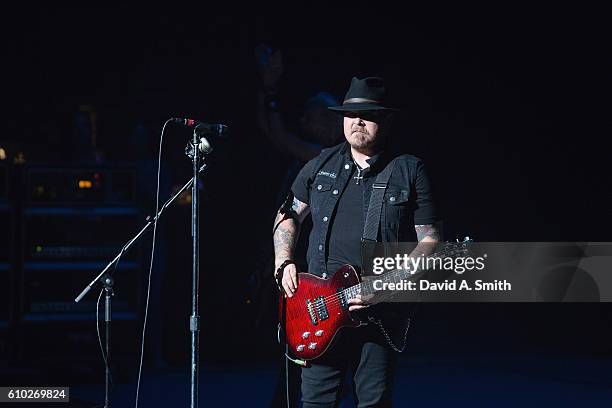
367 94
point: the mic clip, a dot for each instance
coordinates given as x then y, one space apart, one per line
203 146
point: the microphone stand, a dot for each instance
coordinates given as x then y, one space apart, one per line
127 246
194 320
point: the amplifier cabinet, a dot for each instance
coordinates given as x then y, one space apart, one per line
73 221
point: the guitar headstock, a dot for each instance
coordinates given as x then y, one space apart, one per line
458 248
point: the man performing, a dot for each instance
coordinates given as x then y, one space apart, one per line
335 188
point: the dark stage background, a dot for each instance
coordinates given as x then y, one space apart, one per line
508 108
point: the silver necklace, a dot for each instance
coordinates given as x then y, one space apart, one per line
359 170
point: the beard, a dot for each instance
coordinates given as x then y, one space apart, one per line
362 140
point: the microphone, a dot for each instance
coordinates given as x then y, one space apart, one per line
215 129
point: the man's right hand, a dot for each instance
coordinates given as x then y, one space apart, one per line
289 280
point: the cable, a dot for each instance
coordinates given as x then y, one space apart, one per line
98 327
287 375
144 325
106 363
288 358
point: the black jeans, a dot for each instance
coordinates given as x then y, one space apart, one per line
365 352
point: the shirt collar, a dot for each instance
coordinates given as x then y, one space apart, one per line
375 162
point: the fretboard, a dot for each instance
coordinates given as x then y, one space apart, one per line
396 276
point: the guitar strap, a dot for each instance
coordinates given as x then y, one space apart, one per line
370 235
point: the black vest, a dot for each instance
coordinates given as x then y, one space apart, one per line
331 174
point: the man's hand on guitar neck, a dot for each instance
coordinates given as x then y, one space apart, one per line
359 302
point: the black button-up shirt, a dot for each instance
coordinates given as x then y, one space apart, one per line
339 208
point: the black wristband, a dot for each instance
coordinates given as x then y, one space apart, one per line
281 268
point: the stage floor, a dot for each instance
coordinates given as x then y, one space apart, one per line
442 380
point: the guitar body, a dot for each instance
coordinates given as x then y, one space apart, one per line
317 310
319 307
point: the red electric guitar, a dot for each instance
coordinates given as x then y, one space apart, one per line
319 307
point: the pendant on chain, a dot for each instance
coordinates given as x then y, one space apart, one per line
358 176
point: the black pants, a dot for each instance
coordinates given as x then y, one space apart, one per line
371 361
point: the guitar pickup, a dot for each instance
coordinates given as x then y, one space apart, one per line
311 312
342 299
321 308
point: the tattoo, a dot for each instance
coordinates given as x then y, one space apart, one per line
291 211
296 205
292 206
298 210
426 246
428 230
285 238
287 227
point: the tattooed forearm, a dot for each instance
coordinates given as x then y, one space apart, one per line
285 237
287 228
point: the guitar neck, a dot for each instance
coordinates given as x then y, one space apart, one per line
396 276
366 288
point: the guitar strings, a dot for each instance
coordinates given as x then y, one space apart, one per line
334 299
359 285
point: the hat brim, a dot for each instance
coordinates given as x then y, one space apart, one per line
361 107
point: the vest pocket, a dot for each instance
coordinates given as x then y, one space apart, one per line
396 197
320 191
395 212
322 187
